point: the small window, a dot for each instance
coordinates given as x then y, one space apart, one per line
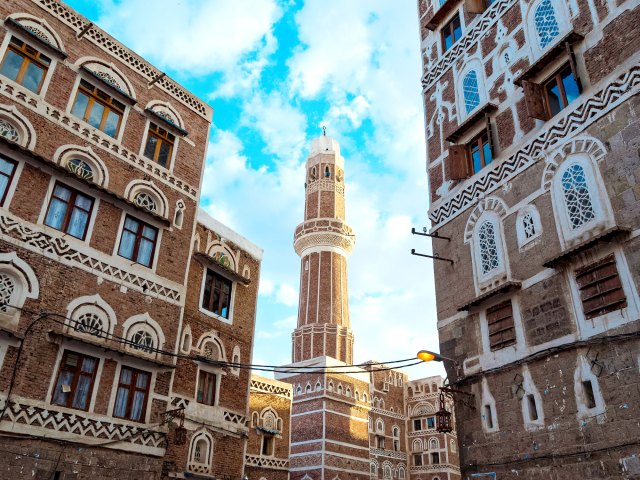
528 226
489 257
417 460
435 458
75 381
138 242
417 425
133 393
69 211
533 408
25 65
267 445
470 90
546 23
217 294
488 416
479 152
502 332
159 145
577 197
207 388
600 288
7 171
98 109
379 442
451 33
589 397
327 171
431 422
560 90
80 168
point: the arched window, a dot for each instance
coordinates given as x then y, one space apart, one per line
489 258
143 334
80 168
471 91
318 386
7 287
90 323
146 201
327 171
416 446
91 315
339 389
254 419
379 426
299 390
578 202
142 340
396 439
235 358
401 472
528 225
364 397
348 392
308 388
452 445
200 453
387 471
546 23
8 130
434 444
374 470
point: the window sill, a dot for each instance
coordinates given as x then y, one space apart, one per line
548 57
440 14
505 287
565 257
471 121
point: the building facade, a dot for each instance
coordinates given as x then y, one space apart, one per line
348 422
120 300
532 133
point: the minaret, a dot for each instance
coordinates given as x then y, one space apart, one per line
323 242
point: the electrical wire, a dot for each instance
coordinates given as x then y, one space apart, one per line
337 369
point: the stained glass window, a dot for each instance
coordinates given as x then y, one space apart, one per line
576 196
546 23
470 91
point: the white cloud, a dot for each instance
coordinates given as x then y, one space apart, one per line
287 295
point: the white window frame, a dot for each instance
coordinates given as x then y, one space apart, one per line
472 65
523 241
128 263
232 296
172 160
502 268
205 367
564 26
114 390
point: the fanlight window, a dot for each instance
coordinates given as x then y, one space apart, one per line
489 259
81 168
90 323
8 131
269 421
142 340
529 226
470 91
577 197
546 23
7 287
146 201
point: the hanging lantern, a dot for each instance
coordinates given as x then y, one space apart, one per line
180 433
443 417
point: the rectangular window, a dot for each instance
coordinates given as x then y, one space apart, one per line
380 442
488 416
267 444
479 152
417 460
502 332
25 65
589 397
600 288
560 90
206 388
451 33
98 109
533 408
7 171
431 422
159 145
69 211
138 242
435 458
76 377
217 294
417 425
133 393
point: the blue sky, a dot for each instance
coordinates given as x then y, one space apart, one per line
275 71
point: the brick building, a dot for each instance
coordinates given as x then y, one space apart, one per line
347 421
120 300
532 131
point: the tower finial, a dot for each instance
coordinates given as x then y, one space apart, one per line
324 130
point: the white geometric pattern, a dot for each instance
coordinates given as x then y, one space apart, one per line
488 248
6 290
546 23
142 340
8 131
146 201
80 168
577 197
470 91
529 226
90 323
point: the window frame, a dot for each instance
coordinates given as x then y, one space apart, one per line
156 243
479 141
556 77
107 104
75 378
216 387
500 345
132 389
451 31
592 268
149 132
10 179
70 208
27 58
232 288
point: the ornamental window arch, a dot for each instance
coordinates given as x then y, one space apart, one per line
16 128
547 22
416 445
39 27
387 471
373 469
402 472
471 91
528 225
222 255
84 163
91 316
147 196
235 359
484 232
212 347
379 426
108 73
143 335
200 452
17 283
167 112
434 444
580 201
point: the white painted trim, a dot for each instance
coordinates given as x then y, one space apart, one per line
227 233
232 296
132 264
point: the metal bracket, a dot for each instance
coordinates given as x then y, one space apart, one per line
434 257
431 235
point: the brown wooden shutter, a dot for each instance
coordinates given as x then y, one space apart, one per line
534 97
572 63
490 135
476 6
502 332
457 163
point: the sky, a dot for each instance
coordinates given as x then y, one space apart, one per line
275 72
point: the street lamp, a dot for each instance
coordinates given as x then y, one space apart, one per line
427 356
444 423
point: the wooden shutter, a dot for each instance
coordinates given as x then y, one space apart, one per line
457 163
534 96
500 324
572 63
600 288
490 135
476 6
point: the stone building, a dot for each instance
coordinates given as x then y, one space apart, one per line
120 300
348 421
532 132
267 454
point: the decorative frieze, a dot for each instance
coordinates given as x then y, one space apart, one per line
266 462
381 452
269 388
325 186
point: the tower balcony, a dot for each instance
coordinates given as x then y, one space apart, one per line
331 233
